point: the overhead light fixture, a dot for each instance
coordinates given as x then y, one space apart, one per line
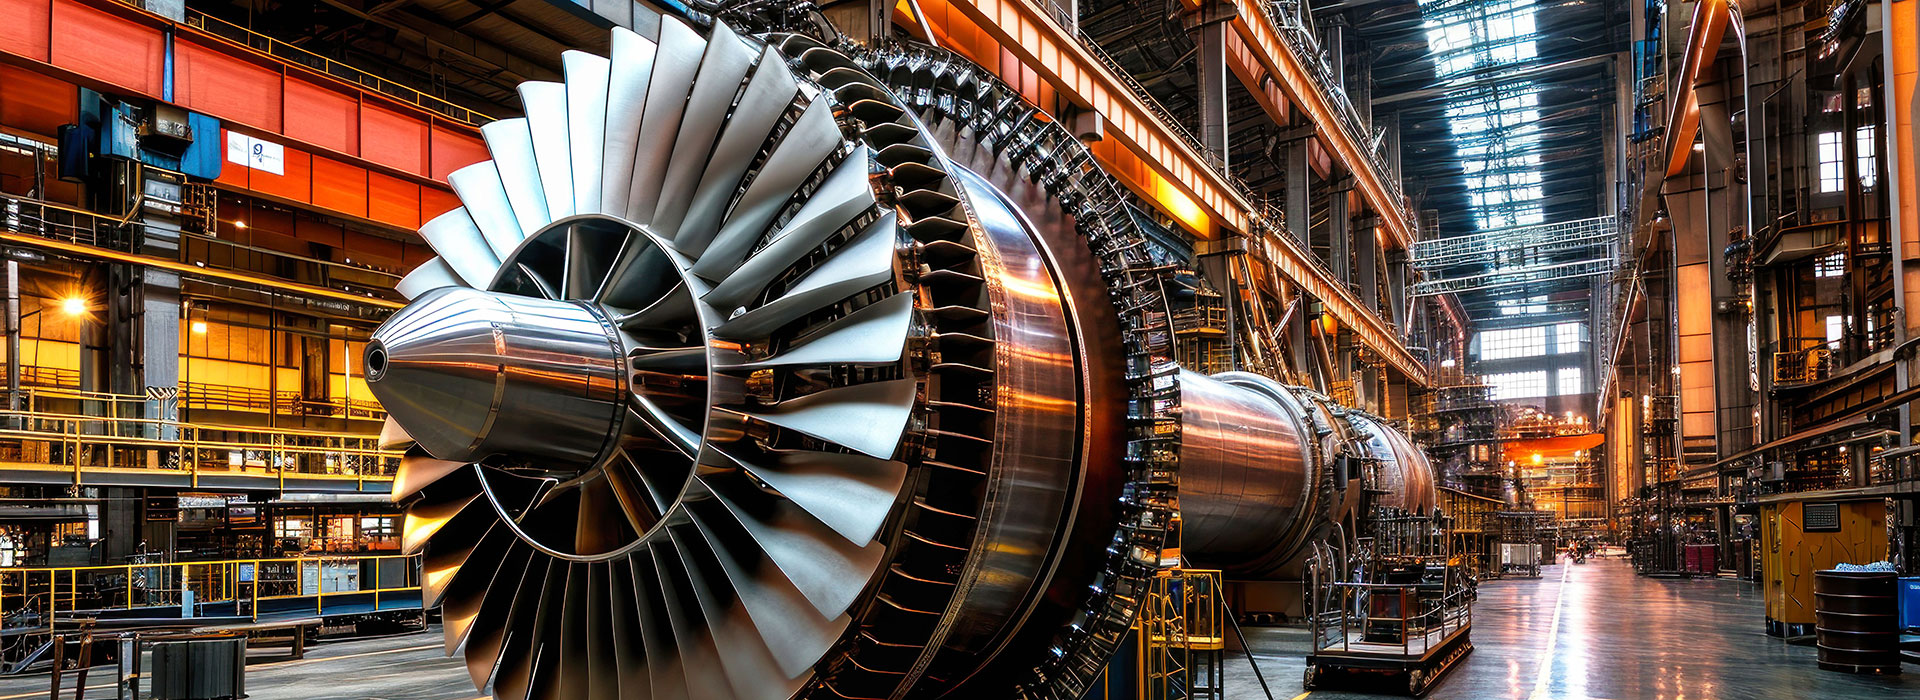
199 327
239 224
73 306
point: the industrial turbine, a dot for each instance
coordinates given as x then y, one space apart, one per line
766 367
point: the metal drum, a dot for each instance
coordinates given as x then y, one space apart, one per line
1855 621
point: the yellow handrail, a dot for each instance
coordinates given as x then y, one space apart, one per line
222 577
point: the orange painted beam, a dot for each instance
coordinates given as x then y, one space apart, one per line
1709 25
1277 57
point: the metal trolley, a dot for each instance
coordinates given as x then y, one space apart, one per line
1399 607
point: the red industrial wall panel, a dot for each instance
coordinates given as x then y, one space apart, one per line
453 150
33 102
391 200
211 81
24 28
322 117
296 182
362 248
105 46
392 139
435 201
339 186
312 231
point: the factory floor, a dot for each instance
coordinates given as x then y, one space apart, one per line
1596 630
1589 631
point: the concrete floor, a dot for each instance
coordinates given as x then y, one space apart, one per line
1588 631
1596 630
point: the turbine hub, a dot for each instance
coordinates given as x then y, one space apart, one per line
475 374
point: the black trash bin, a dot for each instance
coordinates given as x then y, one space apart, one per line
1856 621
199 669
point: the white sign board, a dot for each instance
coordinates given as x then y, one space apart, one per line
255 153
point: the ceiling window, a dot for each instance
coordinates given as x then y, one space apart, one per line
1494 125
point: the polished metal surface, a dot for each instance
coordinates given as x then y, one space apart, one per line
1244 470
1034 473
452 363
733 379
635 470
1404 474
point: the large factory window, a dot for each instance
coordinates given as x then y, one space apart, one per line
1568 336
1863 156
1509 343
1833 265
1518 385
1569 378
1833 172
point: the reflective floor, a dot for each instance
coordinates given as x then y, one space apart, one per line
1588 631
1596 630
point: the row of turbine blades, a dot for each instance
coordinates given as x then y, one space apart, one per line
743 214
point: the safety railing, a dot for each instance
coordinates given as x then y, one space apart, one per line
55 390
46 597
61 223
1385 614
1182 636
58 222
78 442
289 53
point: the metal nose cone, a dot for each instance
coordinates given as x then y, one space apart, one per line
472 374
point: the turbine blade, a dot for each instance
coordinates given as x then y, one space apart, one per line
430 275
759 107
511 145
546 107
487 631
417 471
722 67
587 77
866 418
602 679
844 195
394 437
664 663
792 630
675 64
823 566
699 658
813 137
632 668
460 243
486 201
750 668
631 69
663 425
850 493
865 261
876 334
689 360
591 251
420 523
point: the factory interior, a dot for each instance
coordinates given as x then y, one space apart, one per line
919 349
